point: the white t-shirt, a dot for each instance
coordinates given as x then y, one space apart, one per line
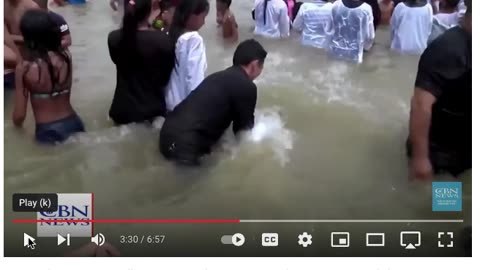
410 28
190 68
354 31
315 21
277 23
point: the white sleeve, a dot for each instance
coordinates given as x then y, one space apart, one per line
430 19
298 22
284 22
393 23
370 30
329 28
196 62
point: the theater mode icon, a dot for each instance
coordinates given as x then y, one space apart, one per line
375 239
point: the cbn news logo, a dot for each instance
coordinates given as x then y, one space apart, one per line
74 207
67 212
447 196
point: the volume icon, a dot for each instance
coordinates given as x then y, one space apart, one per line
99 239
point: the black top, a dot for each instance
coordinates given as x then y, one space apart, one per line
199 121
60 21
139 94
445 71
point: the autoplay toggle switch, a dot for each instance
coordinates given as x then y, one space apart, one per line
237 239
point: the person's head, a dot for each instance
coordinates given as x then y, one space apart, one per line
167 10
223 5
40 33
136 15
189 16
449 4
250 55
43 4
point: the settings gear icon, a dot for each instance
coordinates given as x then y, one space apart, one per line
305 239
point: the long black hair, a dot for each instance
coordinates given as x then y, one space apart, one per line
183 11
41 35
136 11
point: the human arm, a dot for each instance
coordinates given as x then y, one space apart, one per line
244 102
370 30
284 23
230 28
420 119
437 66
196 62
8 41
21 97
393 23
435 6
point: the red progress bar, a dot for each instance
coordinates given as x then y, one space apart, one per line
129 221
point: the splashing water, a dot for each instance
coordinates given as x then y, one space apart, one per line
270 130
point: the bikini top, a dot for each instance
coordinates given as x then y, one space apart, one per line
56 91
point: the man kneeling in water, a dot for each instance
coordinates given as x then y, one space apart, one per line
199 121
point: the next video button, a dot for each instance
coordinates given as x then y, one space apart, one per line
35 202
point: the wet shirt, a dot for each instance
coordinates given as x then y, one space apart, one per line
354 30
441 23
316 23
411 28
190 68
200 120
276 23
60 21
141 79
445 71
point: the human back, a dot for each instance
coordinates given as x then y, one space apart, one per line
47 72
411 26
354 30
144 60
45 76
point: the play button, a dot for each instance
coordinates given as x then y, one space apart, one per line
238 239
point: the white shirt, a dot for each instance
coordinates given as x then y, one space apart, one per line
448 19
354 31
277 23
316 23
411 27
190 68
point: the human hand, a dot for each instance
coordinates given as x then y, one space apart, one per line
92 250
114 4
421 169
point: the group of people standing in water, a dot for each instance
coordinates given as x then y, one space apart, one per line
161 68
346 28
